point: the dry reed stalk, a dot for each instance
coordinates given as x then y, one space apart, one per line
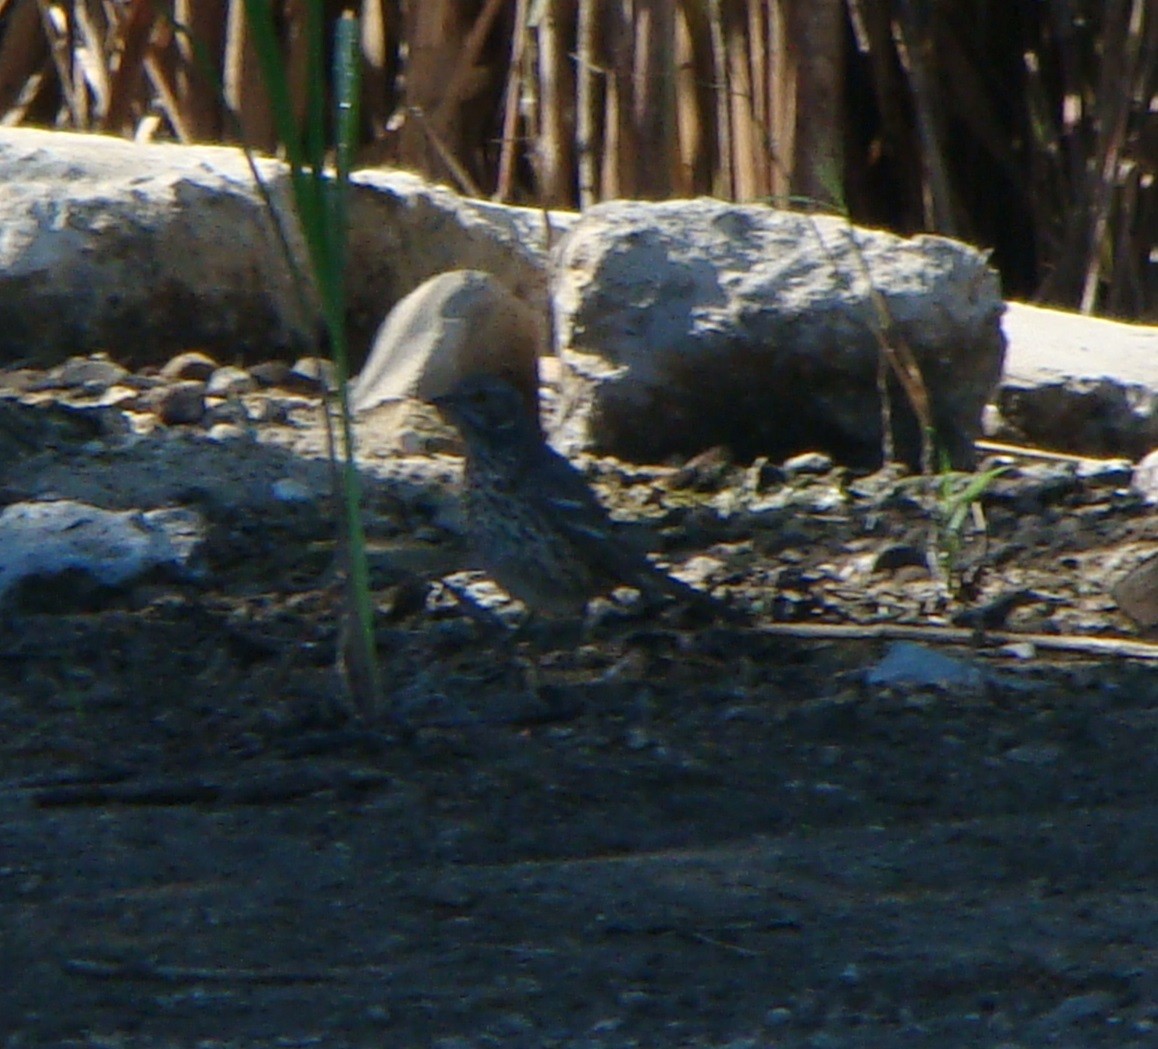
1122 50
196 96
689 129
468 73
586 104
697 98
748 156
758 115
653 111
23 51
58 32
160 66
296 48
914 45
512 96
724 183
243 85
379 27
435 32
618 174
555 153
126 93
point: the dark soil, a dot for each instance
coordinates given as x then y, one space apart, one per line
648 831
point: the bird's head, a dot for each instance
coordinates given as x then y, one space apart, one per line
488 410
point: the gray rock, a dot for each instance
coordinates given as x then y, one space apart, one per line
180 403
691 323
93 373
908 665
173 244
1078 384
140 250
452 325
310 375
1145 478
189 365
229 380
270 373
46 539
1137 593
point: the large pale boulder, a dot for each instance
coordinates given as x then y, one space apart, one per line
1078 384
452 325
456 324
687 324
147 250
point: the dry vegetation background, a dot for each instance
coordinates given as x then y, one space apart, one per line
1028 126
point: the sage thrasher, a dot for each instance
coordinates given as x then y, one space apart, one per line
537 528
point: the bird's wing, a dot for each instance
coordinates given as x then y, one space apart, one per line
561 492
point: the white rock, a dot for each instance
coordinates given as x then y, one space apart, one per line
451 325
908 664
103 241
1079 384
685 324
48 538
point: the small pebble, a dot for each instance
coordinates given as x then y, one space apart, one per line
91 373
1079 1007
225 432
310 375
1145 479
191 365
288 490
807 463
1034 754
1105 473
778 1017
180 404
229 380
270 373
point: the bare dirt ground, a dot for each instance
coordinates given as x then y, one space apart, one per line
653 832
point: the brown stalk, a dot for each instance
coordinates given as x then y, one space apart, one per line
587 105
758 113
1120 62
555 155
22 51
131 39
698 130
914 44
508 149
297 57
746 144
466 71
379 31
160 69
653 112
195 97
618 174
725 183
91 57
244 87
435 33
60 45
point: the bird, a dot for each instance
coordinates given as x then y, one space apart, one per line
538 529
